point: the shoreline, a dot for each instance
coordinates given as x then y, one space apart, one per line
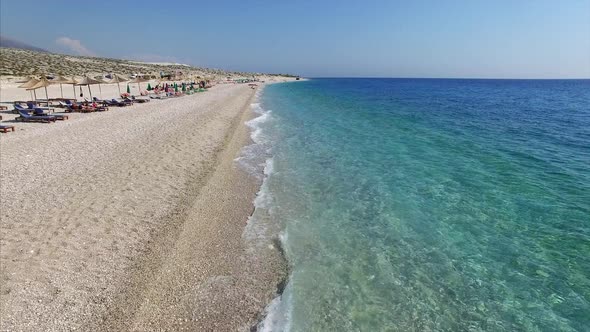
182 267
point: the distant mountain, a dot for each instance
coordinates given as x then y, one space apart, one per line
12 43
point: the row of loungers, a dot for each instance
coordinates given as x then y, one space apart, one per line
121 102
81 107
43 114
34 113
86 109
84 106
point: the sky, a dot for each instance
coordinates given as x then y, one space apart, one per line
329 38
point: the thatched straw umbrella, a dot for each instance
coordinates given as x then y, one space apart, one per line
101 81
88 81
28 84
118 79
64 80
138 80
42 83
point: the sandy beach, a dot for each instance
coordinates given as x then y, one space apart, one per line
132 219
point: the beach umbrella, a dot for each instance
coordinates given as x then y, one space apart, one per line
149 88
28 84
118 79
64 80
175 88
138 80
101 81
128 89
183 87
75 80
88 81
42 83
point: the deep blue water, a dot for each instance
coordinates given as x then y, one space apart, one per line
429 205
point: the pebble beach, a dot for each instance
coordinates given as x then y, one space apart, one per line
132 219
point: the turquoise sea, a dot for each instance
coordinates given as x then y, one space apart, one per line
426 204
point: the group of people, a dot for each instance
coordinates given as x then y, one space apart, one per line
168 88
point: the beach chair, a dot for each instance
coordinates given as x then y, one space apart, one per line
6 128
69 102
102 102
26 117
86 109
37 111
114 102
139 100
81 109
60 117
33 106
101 108
127 102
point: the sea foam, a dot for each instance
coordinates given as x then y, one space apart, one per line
253 157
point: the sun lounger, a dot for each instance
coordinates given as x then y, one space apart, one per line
118 102
86 109
68 102
114 102
60 117
79 109
125 101
33 106
37 111
101 108
6 128
139 100
26 117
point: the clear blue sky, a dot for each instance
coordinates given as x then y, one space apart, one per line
381 38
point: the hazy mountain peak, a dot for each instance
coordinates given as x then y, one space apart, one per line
13 43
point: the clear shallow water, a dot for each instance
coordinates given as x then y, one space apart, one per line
428 205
